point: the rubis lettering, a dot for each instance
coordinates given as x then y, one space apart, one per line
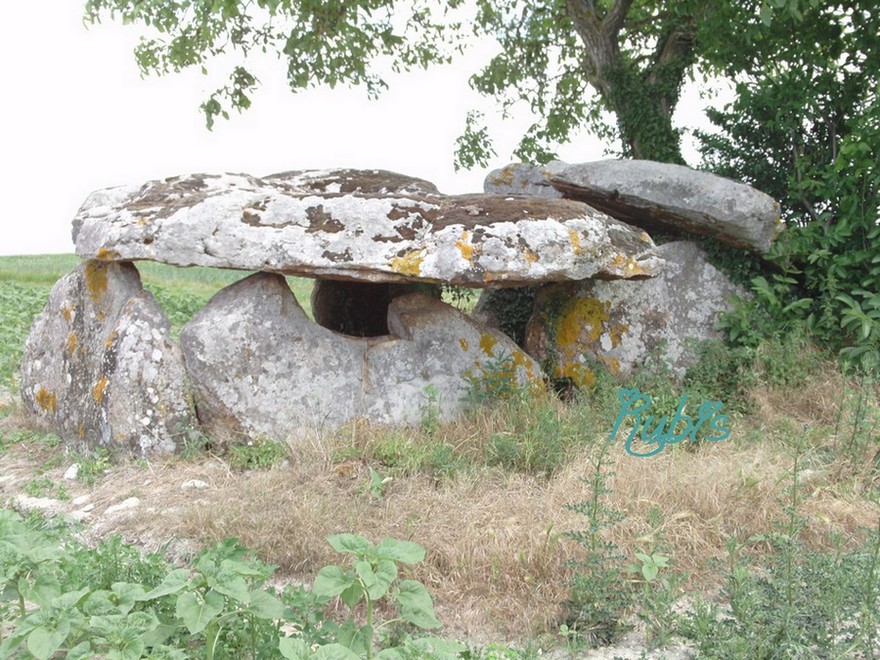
655 433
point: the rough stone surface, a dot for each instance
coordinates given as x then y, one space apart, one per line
238 221
665 196
520 179
579 327
99 368
260 367
359 309
349 181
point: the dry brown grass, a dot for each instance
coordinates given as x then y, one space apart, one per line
496 556
496 560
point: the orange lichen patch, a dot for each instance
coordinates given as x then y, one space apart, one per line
616 333
72 342
46 400
581 314
575 240
111 339
580 375
67 313
408 264
106 255
82 431
537 386
464 344
613 364
531 257
98 390
503 176
96 279
488 277
634 268
464 246
521 360
487 343
778 226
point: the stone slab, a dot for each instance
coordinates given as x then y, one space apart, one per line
658 196
242 222
260 367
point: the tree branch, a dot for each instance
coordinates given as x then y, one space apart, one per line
672 57
614 20
601 47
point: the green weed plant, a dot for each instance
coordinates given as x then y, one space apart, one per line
599 598
58 597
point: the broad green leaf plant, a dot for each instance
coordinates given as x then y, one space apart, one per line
372 576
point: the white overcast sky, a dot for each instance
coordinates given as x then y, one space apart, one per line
76 116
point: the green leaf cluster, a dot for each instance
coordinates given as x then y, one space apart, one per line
335 42
805 128
615 67
373 576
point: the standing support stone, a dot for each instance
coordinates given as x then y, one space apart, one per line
618 325
260 367
99 367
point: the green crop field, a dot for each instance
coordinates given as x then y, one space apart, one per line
25 282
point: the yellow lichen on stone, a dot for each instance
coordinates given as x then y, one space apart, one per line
488 277
106 255
464 344
580 375
581 314
46 400
487 343
111 339
464 246
96 279
408 264
98 390
72 342
619 261
645 238
575 240
616 333
633 268
505 176
67 313
531 257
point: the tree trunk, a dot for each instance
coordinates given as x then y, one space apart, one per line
644 121
643 99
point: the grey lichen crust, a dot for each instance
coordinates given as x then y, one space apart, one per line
99 367
667 196
306 223
260 367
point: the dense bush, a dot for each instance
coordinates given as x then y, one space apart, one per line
807 131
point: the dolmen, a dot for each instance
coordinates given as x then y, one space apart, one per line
101 369
580 328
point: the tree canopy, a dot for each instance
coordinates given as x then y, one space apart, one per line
571 61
